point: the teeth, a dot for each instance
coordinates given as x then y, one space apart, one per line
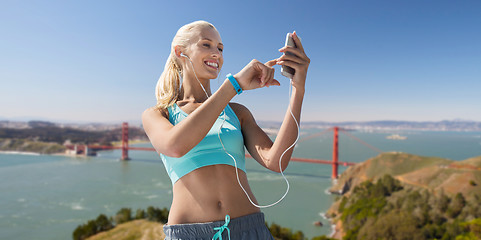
212 64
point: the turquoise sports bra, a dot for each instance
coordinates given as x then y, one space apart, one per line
209 151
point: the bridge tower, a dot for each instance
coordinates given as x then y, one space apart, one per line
125 141
335 153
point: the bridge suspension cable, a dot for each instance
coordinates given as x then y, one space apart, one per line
361 141
314 135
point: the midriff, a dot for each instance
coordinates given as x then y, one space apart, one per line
208 194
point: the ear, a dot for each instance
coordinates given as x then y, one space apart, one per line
178 51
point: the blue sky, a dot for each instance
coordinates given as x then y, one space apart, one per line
99 61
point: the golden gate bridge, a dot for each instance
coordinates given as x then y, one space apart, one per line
335 148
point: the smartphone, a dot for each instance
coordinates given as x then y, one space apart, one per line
285 70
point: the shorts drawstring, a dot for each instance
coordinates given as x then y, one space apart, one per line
220 229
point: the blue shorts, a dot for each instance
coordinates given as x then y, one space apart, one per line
249 227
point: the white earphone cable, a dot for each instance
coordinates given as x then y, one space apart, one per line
235 162
280 160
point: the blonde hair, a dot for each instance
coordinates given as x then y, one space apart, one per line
168 87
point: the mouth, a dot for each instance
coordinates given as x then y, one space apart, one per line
212 64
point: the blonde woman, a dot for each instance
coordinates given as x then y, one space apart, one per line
198 134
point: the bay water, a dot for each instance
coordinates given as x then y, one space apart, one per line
47 197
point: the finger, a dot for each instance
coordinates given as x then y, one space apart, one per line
293 51
273 82
290 64
297 41
292 58
271 75
264 73
271 63
302 57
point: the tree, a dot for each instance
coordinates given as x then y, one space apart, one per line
453 229
275 229
140 214
443 202
84 231
103 223
123 215
456 205
396 225
391 184
164 215
475 227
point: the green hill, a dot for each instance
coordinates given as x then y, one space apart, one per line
405 196
133 230
23 145
475 161
430 173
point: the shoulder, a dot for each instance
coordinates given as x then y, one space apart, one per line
154 113
239 109
243 113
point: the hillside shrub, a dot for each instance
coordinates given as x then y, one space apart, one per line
123 215
103 223
472 183
373 212
157 214
92 227
140 214
283 233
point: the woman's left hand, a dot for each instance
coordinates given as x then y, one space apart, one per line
298 60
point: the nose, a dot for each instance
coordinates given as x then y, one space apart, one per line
216 54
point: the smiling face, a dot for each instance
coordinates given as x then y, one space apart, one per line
205 52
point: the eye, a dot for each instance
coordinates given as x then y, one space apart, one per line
206 45
220 49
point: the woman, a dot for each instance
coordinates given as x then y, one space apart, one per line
190 127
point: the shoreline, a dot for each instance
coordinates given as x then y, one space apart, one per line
16 152
336 226
12 152
337 230
333 226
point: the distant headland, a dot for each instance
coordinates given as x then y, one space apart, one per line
445 125
387 125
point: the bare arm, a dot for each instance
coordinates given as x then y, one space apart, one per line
176 141
261 147
266 152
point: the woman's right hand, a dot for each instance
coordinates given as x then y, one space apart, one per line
256 75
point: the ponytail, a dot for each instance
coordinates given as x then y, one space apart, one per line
167 90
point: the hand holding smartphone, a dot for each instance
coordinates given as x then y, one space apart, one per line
285 70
